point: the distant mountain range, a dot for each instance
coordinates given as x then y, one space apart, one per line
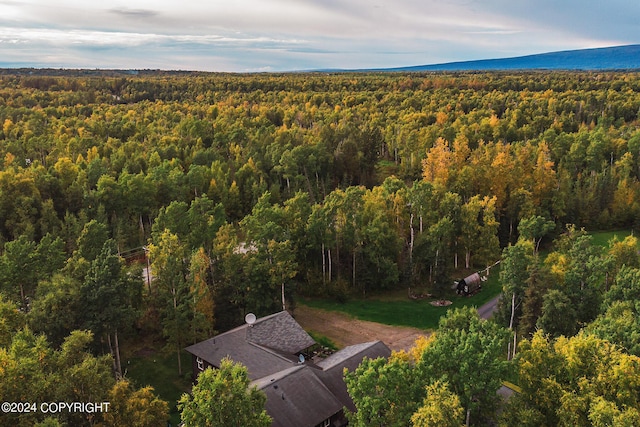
607 58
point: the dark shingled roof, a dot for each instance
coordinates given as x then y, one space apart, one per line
297 397
298 394
240 345
280 332
349 357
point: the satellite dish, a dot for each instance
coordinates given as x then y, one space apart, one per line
250 319
301 358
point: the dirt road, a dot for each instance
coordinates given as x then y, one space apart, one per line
487 310
344 330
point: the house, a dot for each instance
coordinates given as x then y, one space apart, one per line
300 392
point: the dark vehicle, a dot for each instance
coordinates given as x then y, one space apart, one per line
469 285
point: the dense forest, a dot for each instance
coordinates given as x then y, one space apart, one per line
245 191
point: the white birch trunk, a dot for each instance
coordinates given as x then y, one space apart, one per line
354 268
411 240
511 351
113 357
118 364
284 306
178 346
324 267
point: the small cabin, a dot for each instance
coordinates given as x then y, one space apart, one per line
469 285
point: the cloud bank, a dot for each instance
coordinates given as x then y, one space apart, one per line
284 35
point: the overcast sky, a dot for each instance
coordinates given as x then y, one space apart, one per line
285 35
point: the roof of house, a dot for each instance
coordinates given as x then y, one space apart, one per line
297 397
268 346
298 394
351 356
280 332
332 368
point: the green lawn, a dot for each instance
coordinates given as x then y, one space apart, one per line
323 340
397 309
160 371
602 238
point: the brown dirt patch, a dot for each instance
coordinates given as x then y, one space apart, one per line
345 330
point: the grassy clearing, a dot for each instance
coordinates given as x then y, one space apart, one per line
398 310
160 371
323 340
602 238
599 238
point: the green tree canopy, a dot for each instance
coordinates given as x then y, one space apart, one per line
579 381
170 269
535 228
467 352
619 322
384 392
34 372
222 397
559 316
135 408
440 408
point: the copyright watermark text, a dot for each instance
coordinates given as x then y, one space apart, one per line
54 407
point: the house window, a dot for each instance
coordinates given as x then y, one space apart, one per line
200 364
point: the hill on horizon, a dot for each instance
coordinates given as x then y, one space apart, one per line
606 58
614 58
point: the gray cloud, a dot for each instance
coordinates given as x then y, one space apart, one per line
134 13
276 35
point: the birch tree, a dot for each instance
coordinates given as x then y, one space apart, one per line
513 276
169 267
